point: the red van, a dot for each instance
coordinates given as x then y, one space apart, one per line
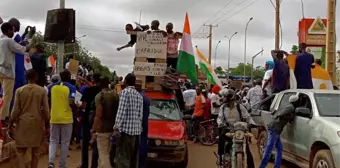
167 138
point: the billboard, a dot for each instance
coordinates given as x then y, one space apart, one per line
313 31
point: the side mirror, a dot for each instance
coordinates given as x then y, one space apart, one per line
303 111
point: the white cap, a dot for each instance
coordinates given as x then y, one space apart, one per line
293 99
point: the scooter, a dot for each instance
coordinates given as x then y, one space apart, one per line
237 156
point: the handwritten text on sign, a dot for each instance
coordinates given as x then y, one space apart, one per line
152 45
149 69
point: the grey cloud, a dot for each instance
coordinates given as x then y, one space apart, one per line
103 23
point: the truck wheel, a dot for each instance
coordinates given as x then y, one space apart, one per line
262 142
323 158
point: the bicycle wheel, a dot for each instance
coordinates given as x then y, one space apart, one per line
207 134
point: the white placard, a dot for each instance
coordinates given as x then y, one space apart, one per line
151 45
149 69
27 63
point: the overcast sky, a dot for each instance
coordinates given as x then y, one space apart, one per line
103 24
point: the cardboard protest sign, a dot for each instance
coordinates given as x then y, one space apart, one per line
27 63
149 69
172 47
73 66
151 45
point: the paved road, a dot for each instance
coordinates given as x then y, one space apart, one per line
199 157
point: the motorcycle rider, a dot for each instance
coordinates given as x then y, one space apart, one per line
280 119
230 113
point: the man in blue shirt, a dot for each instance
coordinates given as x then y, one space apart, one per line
303 67
143 146
20 79
281 72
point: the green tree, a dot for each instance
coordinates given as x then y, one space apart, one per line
219 71
295 49
80 53
258 71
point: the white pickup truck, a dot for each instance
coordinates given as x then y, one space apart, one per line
313 139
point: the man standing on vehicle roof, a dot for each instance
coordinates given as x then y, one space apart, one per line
230 114
303 67
133 37
280 119
128 126
281 72
143 146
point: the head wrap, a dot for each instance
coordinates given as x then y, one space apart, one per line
270 64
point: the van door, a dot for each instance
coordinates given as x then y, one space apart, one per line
302 128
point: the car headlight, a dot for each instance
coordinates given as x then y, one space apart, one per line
158 142
239 135
174 142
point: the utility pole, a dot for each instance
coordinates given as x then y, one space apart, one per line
252 64
61 47
210 40
277 25
331 40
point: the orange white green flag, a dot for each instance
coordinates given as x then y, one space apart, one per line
186 58
209 71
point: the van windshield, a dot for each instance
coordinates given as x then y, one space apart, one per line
164 110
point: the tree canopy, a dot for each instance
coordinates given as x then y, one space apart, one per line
80 53
258 71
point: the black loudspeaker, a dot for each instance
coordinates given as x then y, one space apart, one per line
60 26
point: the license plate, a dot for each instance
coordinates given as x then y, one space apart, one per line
152 155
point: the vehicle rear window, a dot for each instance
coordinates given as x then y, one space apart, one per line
328 104
164 110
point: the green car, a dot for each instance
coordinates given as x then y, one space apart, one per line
313 139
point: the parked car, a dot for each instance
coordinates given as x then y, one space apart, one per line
313 139
167 138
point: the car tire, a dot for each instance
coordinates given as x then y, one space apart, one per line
184 163
323 158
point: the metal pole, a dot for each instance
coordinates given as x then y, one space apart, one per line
61 45
228 73
245 51
252 64
277 25
216 53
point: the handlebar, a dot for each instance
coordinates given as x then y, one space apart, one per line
232 134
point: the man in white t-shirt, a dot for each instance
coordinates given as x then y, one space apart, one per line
215 105
189 96
266 83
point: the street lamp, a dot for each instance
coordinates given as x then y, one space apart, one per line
252 64
216 53
245 50
229 54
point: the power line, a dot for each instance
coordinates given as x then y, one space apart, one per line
103 30
213 16
238 12
224 14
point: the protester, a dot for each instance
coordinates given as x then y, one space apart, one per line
172 50
255 95
189 95
31 118
280 118
207 105
230 113
267 85
119 85
38 60
321 77
62 102
215 101
106 110
7 59
128 126
20 79
281 74
199 108
133 37
87 100
143 146
303 67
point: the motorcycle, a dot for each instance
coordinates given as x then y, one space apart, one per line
237 156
